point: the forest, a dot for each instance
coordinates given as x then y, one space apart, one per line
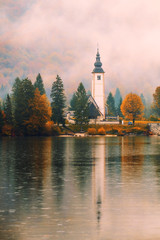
27 111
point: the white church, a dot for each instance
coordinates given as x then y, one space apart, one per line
97 108
98 86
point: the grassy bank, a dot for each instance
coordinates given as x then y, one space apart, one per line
112 129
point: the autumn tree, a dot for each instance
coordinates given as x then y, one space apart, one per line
156 101
132 107
111 105
40 113
81 106
39 84
58 101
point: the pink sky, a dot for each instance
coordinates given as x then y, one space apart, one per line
60 37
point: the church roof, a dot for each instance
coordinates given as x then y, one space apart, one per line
98 65
94 110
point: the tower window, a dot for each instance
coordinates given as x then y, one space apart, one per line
99 77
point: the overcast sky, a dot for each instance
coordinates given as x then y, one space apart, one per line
60 37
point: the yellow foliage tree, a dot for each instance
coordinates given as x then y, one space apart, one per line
41 113
132 107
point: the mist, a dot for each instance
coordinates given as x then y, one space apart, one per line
60 37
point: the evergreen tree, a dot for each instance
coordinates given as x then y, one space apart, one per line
73 102
143 99
8 110
39 84
81 106
23 91
111 105
117 98
58 101
1 119
119 112
146 111
156 102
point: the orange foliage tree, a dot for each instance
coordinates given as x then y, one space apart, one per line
40 113
132 107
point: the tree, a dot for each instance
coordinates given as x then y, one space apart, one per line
119 112
58 101
1 119
39 84
8 110
117 98
73 102
132 107
156 101
143 99
40 113
81 106
111 105
23 92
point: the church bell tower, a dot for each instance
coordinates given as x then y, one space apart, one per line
98 90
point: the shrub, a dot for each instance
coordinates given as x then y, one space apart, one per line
7 130
50 129
91 131
120 132
153 118
101 131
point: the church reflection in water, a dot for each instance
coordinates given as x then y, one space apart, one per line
98 177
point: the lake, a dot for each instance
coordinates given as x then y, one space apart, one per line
65 188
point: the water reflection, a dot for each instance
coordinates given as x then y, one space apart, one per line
98 177
132 158
83 188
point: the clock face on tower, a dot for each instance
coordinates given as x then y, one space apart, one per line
99 77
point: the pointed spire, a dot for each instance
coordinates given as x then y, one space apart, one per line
98 63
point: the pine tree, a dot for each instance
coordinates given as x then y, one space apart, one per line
73 102
143 99
156 102
81 106
23 91
58 101
119 112
111 105
8 110
39 84
117 98
1 119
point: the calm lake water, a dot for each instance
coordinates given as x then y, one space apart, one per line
101 188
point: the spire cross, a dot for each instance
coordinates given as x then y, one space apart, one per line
97 47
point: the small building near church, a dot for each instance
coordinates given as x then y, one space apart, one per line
94 111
